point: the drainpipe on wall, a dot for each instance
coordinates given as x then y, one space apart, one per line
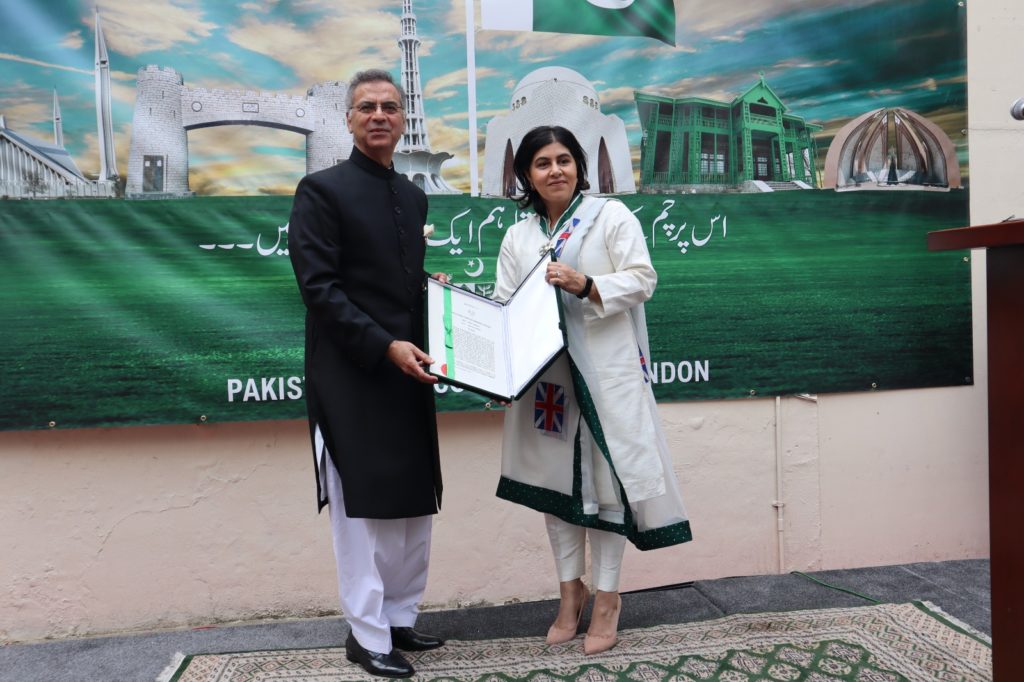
779 504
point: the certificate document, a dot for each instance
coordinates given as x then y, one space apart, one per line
495 349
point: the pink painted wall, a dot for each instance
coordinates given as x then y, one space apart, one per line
139 528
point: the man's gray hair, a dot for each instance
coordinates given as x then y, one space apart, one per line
371 76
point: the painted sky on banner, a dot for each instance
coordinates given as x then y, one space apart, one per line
829 60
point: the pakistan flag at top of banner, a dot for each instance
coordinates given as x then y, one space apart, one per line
653 18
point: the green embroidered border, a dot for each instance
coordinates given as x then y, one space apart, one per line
569 508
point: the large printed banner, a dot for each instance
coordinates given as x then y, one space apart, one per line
785 166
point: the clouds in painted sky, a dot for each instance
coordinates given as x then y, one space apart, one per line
28 103
5 56
73 40
829 60
146 26
333 57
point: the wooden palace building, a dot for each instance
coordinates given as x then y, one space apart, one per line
749 144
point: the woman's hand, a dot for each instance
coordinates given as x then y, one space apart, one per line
565 278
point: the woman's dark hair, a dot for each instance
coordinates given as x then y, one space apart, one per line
533 141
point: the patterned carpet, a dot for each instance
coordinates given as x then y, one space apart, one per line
881 643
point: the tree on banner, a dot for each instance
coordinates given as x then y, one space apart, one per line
652 18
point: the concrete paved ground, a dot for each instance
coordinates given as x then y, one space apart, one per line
961 588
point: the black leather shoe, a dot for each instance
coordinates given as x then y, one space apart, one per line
408 639
383 665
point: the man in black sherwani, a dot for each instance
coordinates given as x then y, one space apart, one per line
356 243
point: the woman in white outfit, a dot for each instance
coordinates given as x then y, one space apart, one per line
584 445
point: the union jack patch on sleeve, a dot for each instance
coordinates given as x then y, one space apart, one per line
549 409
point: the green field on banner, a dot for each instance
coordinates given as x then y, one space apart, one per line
120 313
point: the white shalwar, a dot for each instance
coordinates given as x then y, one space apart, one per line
584 443
382 564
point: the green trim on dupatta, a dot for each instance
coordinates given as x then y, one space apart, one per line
569 508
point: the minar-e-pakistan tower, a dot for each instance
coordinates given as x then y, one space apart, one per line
413 157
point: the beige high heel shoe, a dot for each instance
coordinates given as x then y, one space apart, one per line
595 643
560 635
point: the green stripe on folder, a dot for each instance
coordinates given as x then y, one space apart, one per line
449 342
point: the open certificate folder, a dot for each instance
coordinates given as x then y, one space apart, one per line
495 349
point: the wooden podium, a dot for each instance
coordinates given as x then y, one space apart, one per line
1005 280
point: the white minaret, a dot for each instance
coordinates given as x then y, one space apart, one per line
58 127
413 158
104 122
415 137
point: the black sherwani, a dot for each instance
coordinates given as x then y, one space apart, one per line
356 244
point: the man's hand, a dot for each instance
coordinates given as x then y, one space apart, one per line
410 359
442 277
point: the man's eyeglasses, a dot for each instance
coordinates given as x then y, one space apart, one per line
370 108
